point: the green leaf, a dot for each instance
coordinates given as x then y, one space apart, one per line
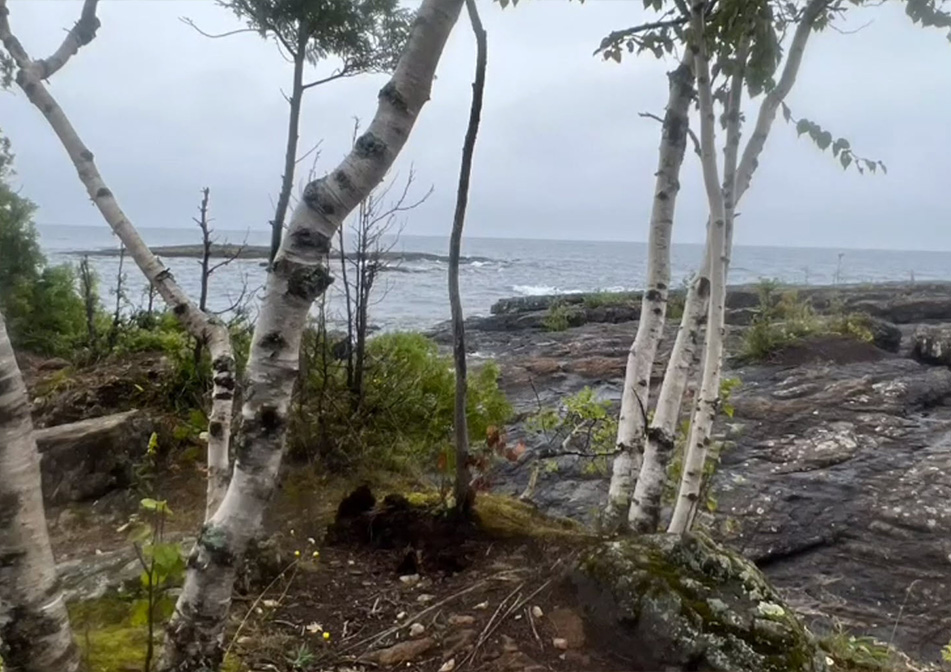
787 113
139 614
882 166
803 126
846 159
157 505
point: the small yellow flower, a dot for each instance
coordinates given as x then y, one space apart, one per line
296 554
326 636
316 554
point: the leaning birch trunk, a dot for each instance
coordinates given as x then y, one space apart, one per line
297 276
721 211
34 627
662 432
463 492
29 78
632 420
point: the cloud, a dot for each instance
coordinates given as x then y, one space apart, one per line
561 154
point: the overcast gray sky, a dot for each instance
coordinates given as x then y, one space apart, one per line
561 152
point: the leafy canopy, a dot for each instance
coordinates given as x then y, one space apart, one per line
366 35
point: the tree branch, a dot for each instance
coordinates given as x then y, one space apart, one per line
79 36
337 75
690 133
616 36
188 22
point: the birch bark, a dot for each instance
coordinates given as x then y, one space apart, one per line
297 276
661 435
29 78
721 210
34 627
632 420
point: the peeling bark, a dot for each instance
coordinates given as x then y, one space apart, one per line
463 490
200 325
34 627
297 276
632 421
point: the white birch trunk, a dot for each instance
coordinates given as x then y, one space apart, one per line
708 395
34 627
632 420
662 432
205 328
297 276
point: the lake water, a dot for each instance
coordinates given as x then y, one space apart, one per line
416 295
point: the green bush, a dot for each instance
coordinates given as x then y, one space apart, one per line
405 416
784 319
561 316
40 304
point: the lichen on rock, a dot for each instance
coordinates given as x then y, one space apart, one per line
669 602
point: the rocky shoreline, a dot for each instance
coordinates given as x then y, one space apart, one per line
836 470
835 476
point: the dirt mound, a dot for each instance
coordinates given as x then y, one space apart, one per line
429 538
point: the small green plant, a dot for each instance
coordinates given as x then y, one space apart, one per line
557 318
606 298
856 653
302 659
784 319
163 567
583 425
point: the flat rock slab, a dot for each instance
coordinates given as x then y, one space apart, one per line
85 460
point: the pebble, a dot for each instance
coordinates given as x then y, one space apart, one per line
448 666
560 643
410 579
537 612
416 629
481 605
425 598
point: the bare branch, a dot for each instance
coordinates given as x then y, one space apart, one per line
693 136
344 72
215 36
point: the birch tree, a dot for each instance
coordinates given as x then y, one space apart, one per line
30 78
296 277
632 421
34 627
463 490
645 506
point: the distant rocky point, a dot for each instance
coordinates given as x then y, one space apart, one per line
262 252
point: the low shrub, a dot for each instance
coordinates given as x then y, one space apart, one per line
404 417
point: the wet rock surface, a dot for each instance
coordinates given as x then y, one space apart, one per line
836 470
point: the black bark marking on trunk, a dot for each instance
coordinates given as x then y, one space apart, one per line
343 180
307 283
318 197
658 312
223 364
86 155
368 146
48 109
309 239
214 541
274 341
662 196
216 429
180 309
103 193
10 506
703 287
391 94
18 637
661 286
653 295
224 395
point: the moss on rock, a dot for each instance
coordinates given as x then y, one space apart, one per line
685 602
